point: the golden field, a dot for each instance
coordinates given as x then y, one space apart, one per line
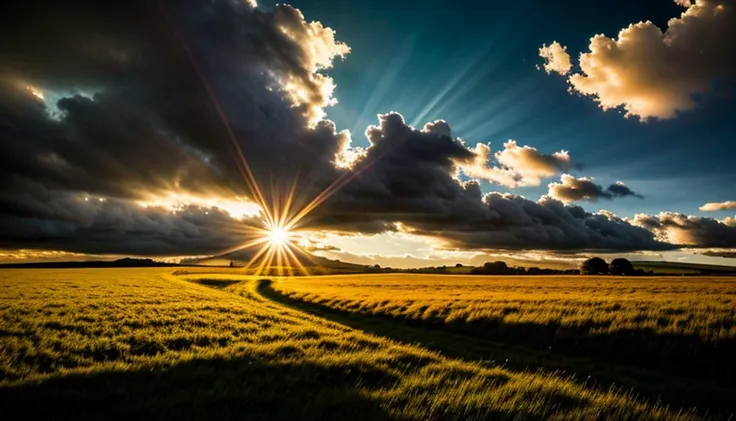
672 338
694 306
125 343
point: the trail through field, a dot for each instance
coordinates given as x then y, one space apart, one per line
466 342
127 344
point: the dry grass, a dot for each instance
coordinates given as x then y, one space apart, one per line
686 324
124 343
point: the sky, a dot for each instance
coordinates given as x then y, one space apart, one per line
411 133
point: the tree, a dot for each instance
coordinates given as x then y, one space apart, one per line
494 268
594 266
621 266
459 265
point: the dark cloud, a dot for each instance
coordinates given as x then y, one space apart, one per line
114 226
688 230
572 189
143 99
113 99
406 177
513 222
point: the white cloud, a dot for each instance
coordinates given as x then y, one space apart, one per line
718 206
312 90
518 166
653 73
555 58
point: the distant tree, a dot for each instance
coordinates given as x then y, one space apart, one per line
377 266
232 264
459 265
621 266
494 268
594 266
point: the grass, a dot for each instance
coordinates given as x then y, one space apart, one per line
127 343
673 338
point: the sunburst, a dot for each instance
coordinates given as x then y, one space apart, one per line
280 220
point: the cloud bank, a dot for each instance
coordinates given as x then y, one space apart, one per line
655 73
111 106
687 230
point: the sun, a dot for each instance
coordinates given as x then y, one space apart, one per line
278 237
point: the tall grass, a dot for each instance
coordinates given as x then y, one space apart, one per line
127 343
685 325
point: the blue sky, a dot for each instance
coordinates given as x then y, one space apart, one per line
473 64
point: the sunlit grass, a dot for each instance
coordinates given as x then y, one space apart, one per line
672 326
601 305
130 343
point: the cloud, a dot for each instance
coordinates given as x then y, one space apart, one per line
515 166
716 206
572 189
113 101
64 222
555 58
513 222
726 254
688 230
407 177
653 73
127 103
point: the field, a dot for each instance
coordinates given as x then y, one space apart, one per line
673 338
144 343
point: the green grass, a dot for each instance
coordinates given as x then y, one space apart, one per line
141 343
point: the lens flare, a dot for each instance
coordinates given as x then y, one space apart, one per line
278 237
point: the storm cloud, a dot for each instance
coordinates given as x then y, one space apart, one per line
106 107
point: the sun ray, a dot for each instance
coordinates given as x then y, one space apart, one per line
298 263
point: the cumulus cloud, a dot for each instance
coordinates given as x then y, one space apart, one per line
655 73
688 230
514 165
130 101
718 206
572 189
407 177
126 102
555 58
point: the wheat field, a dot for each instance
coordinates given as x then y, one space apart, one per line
679 330
143 343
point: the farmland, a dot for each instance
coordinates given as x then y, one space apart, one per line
126 343
671 336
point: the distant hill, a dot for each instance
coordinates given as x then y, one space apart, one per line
685 268
308 260
126 262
